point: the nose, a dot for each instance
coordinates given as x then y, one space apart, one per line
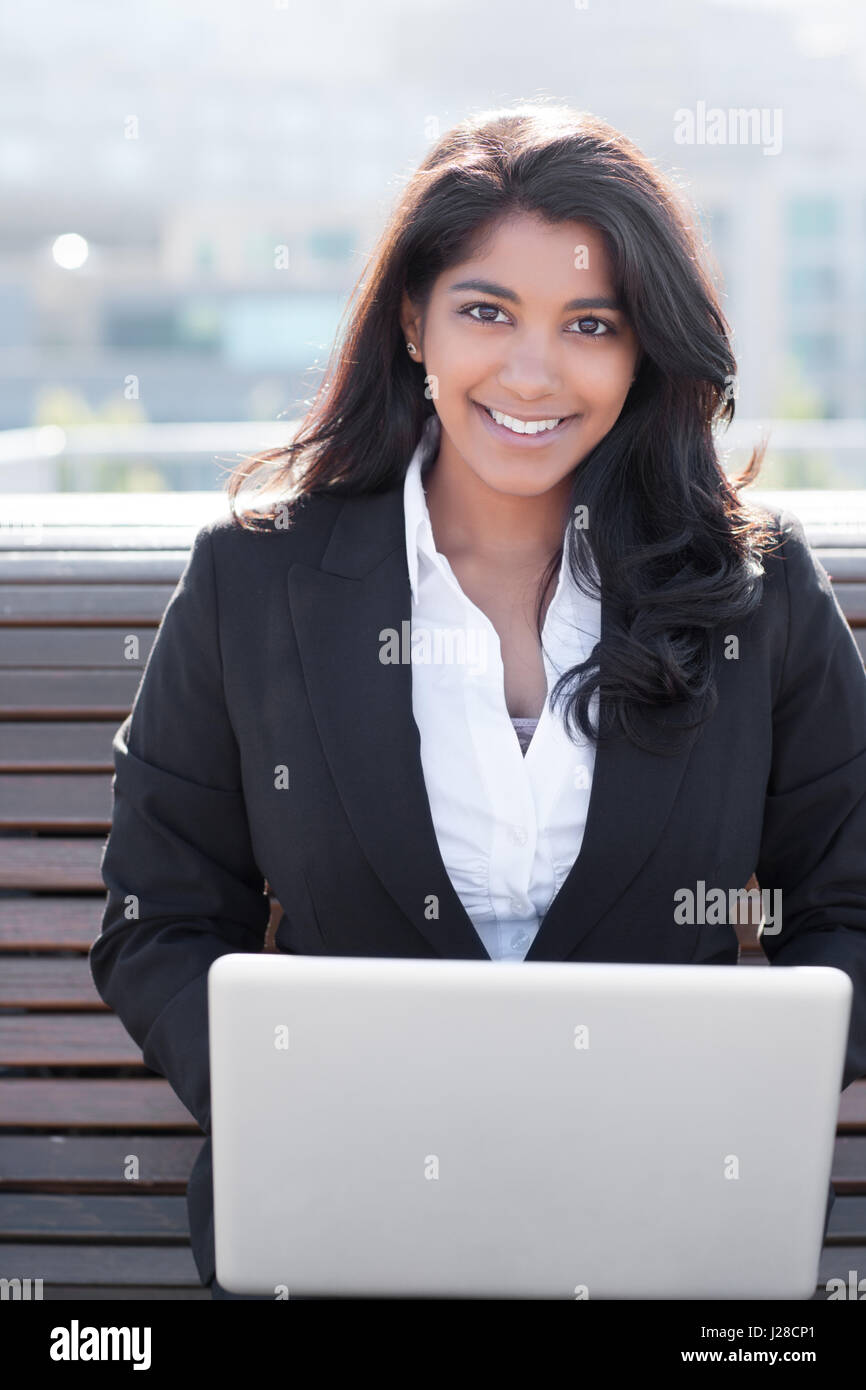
530 372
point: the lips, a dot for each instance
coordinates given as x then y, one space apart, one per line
523 441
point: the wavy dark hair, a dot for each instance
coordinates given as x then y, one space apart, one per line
674 549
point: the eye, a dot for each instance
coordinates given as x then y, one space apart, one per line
590 318
467 311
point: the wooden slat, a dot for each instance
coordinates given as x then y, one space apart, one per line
852 1109
81 746
76 1264
125 566
62 923
84 1216
849 1164
128 1293
52 863
143 1103
73 1040
136 1216
82 605
34 982
847 1224
843 564
97 1162
33 801
852 601
66 1040
95 605
105 694
837 1260
62 802
127 563
99 1103
50 923
54 648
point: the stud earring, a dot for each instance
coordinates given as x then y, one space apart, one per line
412 348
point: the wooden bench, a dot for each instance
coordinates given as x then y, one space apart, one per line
75 1097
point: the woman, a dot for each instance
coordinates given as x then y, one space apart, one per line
505 663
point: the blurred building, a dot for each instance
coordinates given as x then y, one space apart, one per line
230 170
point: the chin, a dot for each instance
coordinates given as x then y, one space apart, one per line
521 480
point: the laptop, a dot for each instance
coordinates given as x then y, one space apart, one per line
529 1130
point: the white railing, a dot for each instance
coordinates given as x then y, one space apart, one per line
55 478
189 456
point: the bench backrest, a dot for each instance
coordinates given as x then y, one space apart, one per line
71 598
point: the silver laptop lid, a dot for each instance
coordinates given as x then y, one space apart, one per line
391 1127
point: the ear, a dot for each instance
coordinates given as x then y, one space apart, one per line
411 325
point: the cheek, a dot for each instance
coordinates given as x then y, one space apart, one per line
603 369
467 366
603 386
465 357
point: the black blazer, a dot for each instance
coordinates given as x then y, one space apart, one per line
266 670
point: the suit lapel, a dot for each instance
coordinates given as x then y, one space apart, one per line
630 800
362 707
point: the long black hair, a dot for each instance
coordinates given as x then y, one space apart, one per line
672 545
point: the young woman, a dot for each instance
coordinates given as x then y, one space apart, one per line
501 663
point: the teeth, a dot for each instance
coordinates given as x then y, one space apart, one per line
522 426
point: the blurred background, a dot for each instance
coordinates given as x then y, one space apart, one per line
190 190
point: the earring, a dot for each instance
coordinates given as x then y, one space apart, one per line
412 348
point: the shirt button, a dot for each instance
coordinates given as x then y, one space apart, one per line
517 835
517 907
520 941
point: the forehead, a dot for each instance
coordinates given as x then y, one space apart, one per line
534 256
533 250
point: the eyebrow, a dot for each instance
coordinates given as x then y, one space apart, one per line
500 292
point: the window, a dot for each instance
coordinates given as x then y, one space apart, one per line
192 325
331 243
810 283
815 351
280 330
204 257
812 217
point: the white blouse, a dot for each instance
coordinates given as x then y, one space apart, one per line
509 826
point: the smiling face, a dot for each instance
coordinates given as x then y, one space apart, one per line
528 329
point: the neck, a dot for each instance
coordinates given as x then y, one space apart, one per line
471 519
